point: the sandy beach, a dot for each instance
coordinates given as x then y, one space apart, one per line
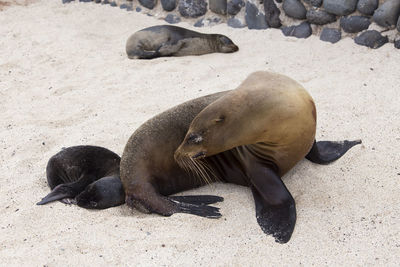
65 80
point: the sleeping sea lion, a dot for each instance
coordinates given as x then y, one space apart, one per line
249 136
89 175
167 40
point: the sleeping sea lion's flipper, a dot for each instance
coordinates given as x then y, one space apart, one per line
275 206
324 152
68 190
198 199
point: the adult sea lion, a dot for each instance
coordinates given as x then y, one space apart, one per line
249 136
167 40
87 174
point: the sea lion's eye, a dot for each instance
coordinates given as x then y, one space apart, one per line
225 40
194 138
220 119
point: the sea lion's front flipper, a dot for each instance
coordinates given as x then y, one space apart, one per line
275 206
168 48
198 199
69 190
324 152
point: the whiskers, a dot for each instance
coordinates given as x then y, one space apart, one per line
197 167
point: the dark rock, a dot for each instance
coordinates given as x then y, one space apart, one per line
372 39
388 13
340 7
138 9
172 18
330 35
278 1
254 18
113 3
316 3
367 7
300 31
192 8
235 23
85 1
218 6
97 1
320 17
354 23
123 6
272 14
168 5
66 1
105 2
234 6
294 9
150 4
397 44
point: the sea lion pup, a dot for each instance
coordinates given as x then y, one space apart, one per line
87 174
167 40
250 136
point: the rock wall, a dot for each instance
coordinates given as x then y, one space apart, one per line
371 23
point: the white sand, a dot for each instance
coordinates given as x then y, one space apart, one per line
65 80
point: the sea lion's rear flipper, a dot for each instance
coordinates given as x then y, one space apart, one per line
198 199
324 152
146 198
69 190
275 206
199 210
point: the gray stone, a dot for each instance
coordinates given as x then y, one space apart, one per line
272 14
372 39
316 3
397 44
207 22
168 5
354 23
105 2
66 1
172 18
138 9
294 9
367 7
398 24
300 31
330 35
113 3
340 7
388 13
235 23
254 18
192 8
218 6
150 4
234 6
320 17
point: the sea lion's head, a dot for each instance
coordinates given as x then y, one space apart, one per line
225 45
104 193
221 126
